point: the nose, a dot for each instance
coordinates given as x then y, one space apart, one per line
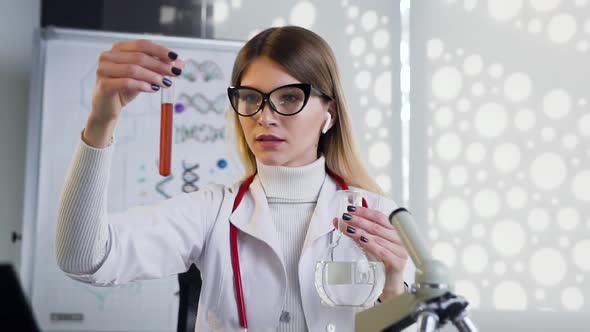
266 117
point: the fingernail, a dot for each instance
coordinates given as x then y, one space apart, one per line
172 55
167 81
364 239
346 216
350 229
351 208
176 71
155 87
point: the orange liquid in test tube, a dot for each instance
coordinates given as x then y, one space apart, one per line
165 139
166 131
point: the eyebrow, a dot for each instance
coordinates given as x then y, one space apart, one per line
267 91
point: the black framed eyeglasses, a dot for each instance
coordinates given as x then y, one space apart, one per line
286 100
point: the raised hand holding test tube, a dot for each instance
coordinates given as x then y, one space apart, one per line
127 69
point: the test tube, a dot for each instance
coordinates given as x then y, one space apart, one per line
166 129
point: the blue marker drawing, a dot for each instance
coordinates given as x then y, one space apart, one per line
222 163
163 182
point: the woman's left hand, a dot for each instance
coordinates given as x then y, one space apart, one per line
372 231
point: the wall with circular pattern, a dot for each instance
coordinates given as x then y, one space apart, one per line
500 148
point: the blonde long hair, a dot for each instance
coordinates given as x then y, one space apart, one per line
308 58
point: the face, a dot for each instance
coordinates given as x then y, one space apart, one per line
276 139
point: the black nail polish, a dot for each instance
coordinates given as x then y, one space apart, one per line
172 55
364 239
351 208
167 81
350 229
176 71
155 87
346 216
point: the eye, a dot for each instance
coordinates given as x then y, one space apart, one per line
250 97
288 98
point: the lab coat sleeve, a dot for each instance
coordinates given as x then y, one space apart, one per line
157 241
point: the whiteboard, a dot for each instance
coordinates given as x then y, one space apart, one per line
60 107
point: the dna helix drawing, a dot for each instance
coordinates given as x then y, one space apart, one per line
201 103
206 71
189 177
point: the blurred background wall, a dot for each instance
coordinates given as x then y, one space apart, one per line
500 129
472 113
18 20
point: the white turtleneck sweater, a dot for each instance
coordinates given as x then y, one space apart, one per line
82 238
292 194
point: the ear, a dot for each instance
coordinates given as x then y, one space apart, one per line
328 123
331 115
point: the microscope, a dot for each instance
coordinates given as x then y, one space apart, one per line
430 302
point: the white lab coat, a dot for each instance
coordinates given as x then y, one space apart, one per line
163 240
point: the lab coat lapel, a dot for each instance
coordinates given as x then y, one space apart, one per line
325 211
253 217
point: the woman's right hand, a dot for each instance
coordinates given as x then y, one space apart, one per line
128 68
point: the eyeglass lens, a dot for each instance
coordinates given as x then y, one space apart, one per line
286 100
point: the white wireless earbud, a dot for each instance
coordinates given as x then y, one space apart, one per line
327 123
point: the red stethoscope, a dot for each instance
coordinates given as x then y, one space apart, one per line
233 238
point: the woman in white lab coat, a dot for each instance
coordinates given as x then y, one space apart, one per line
295 137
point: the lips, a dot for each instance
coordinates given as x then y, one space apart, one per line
268 138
